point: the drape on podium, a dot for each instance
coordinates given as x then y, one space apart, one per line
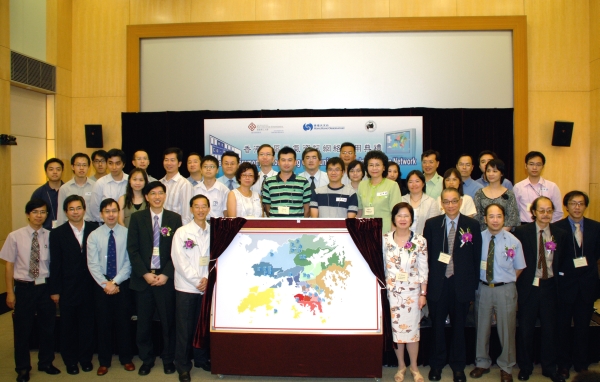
367 236
222 233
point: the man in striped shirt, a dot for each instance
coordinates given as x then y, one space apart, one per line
286 195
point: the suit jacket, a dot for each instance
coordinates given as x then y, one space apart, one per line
584 279
140 242
466 258
69 273
529 239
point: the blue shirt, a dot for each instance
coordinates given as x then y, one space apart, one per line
225 181
50 196
572 223
470 187
97 247
504 267
506 183
449 224
192 181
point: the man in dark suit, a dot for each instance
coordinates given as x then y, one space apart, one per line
149 245
578 278
71 286
544 246
454 247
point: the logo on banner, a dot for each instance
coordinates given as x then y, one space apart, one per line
252 126
307 126
370 126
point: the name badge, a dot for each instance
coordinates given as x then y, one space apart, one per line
402 276
483 265
54 223
369 211
382 193
536 281
580 262
204 260
155 251
340 199
444 258
40 281
88 193
528 207
283 210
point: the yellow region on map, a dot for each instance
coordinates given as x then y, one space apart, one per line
256 299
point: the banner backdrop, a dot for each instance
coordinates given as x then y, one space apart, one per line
400 138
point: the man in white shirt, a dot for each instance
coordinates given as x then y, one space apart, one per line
179 189
194 168
230 161
311 160
266 156
140 160
80 185
110 186
215 191
99 159
191 255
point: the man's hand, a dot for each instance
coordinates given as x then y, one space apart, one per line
110 287
55 298
10 300
150 278
202 286
160 280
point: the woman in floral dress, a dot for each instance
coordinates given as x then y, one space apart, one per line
406 281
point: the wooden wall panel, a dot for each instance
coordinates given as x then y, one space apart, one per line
489 8
222 10
64 36
335 9
593 211
63 81
99 47
4 63
544 109
288 9
5 174
558 37
423 8
64 131
159 11
51 31
595 29
105 111
4 24
595 137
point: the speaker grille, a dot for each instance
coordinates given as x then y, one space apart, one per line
32 72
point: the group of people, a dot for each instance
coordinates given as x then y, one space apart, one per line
101 244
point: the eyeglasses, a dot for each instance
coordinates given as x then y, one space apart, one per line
98 161
576 204
160 193
334 170
34 212
209 167
545 212
450 202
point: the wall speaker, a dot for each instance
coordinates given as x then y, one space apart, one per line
93 136
563 132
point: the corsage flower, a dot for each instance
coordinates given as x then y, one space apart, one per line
165 231
510 252
189 244
550 245
465 237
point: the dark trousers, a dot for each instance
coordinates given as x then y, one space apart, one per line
32 300
162 300
574 349
186 318
77 332
541 302
113 313
438 310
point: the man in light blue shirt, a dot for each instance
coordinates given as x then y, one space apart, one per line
465 167
230 161
502 261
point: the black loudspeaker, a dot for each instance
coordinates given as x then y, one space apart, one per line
563 132
93 136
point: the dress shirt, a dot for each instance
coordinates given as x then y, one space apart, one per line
257 187
93 178
321 178
152 215
151 178
572 223
97 248
470 187
104 188
72 188
188 272
78 234
428 208
193 181
435 185
506 183
549 254
217 195
225 181
449 226
50 196
504 267
179 194
17 250
526 193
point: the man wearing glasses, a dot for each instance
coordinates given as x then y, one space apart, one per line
578 277
266 156
99 159
111 186
544 246
80 185
334 200
465 167
214 190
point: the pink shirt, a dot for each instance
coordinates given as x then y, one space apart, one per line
526 193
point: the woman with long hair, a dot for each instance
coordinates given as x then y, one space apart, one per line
133 200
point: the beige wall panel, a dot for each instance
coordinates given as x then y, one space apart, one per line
558 45
4 109
159 11
20 197
422 8
544 109
50 116
105 111
27 161
51 31
6 200
334 9
51 148
27 113
595 29
593 211
489 7
4 23
4 63
65 34
595 137
595 74
64 131
99 47
2 271
222 10
288 9
63 81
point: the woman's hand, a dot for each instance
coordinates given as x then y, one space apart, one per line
422 302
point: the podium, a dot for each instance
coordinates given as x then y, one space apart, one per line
294 297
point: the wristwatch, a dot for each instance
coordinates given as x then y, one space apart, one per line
423 293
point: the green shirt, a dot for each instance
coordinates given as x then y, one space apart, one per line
383 197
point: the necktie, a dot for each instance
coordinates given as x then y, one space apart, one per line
451 237
230 184
111 258
489 272
542 257
578 234
312 184
34 260
156 231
